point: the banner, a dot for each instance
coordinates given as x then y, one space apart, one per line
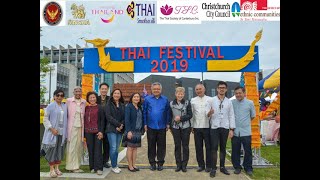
87 84
174 59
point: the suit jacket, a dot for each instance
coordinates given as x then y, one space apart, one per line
71 104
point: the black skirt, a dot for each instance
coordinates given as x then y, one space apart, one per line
134 142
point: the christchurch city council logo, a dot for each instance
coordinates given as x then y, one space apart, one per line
166 10
235 9
52 13
130 9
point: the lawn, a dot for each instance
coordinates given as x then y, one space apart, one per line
270 153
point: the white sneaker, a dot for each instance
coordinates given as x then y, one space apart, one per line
92 171
115 170
118 168
99 172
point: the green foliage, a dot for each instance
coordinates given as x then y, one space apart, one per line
44 68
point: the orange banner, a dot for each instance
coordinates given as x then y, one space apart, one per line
251 87
87 84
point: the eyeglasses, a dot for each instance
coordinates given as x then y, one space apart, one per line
59 95
222 87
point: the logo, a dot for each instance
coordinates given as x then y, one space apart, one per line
167 10
217 10
235 9
130 9
109 11
79 14
52 13
145 12
254 4
108 20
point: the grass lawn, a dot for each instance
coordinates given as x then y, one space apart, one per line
270 153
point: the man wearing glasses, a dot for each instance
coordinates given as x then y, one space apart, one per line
222 125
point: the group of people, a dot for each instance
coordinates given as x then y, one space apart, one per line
100 121
105 121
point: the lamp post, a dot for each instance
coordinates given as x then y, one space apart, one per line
50 69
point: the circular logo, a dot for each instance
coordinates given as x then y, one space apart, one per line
52 13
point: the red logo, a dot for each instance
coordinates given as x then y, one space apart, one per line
52 13
253 4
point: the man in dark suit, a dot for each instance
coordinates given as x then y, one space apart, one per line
102 99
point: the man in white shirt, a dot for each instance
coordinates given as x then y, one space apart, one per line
201 128
222 123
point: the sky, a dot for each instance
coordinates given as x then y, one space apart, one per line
124 32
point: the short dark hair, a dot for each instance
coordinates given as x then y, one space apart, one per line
58 91
222 83
239 87
131 97
103 84
121 97
92 92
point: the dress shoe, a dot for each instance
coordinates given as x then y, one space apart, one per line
237 171
208 169
200 169
136 168
178 168
132 170
224 171
107 165
213 173
184 169
249 173
160 168
153 167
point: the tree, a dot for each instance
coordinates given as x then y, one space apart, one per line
44 68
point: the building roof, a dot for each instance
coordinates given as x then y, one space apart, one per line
129 89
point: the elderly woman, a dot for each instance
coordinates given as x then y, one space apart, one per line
55 134
181 128
94 124
134 129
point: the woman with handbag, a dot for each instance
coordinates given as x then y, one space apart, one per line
55 134
133 129
115 126
93 131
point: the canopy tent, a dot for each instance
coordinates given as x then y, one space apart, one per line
270 81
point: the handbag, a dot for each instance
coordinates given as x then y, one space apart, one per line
124 140
136 138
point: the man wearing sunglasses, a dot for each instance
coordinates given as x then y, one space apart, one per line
76 106
222 124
